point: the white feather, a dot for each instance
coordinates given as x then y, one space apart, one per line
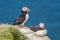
27 16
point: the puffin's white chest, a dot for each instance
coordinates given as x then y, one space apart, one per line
26 18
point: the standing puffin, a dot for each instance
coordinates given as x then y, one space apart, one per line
23 17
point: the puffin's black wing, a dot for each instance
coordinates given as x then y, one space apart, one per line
34 28
19 20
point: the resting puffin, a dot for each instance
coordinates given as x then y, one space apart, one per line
42 30
36 28
23 17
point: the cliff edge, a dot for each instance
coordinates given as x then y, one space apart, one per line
31 35
15 32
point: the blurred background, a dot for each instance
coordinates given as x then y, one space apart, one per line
47 11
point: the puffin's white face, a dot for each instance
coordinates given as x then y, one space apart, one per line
25 9
41 25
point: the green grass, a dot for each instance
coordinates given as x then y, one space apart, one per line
9 32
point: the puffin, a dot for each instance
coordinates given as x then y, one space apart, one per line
36 28
21 19
42 31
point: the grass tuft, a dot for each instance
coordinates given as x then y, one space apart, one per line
9 32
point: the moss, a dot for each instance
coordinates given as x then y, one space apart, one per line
9 32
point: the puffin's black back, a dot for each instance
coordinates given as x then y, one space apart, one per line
35 28
20 19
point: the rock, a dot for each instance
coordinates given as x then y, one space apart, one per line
10 32
41 32
33 35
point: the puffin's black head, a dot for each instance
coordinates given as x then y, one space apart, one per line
25 9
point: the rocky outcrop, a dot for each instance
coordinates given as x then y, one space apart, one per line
10 32
33 35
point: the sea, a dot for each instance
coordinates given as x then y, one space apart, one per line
46 11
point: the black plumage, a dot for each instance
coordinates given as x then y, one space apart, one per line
35 28
20 19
